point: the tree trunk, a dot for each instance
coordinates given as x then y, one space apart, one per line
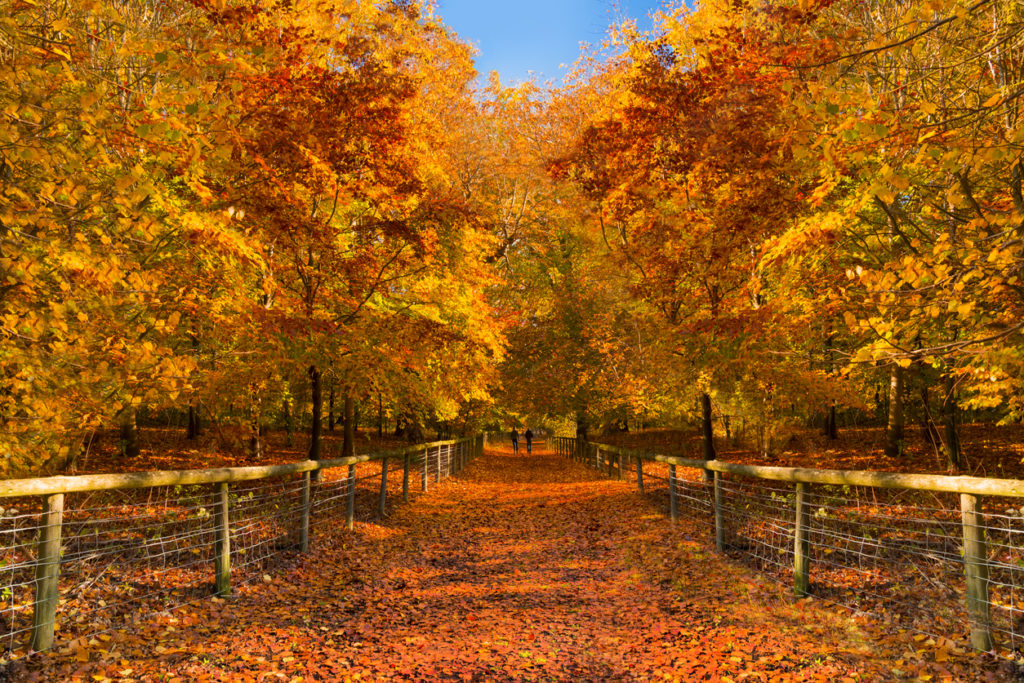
288 419
195 428
894 426
129 434
254 448
380 416
348 446
318 409
954 457
581 425
831 427
931 431
707 428
330 410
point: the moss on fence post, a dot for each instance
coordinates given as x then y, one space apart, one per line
304 523
672 505
382 503
976 571
719 516
424 471
801 545
47 573
405 477
222 547
350 512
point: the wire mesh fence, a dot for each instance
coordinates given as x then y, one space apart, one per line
128 554
930 561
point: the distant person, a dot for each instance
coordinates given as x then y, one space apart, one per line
515 441
529 440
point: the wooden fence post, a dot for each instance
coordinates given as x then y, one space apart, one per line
405 478
976 571
719 516
801 545
304 524
640 474
222 548
350 512
672 506
47 573
424 473
438 475
382 504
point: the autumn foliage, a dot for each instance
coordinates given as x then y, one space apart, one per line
279 214
211 205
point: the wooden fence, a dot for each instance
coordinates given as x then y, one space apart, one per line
435 459
617 462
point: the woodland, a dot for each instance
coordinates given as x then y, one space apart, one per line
254 216
247 232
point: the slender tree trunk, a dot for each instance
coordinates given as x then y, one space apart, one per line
831 427
707 428
581 425
195 428
255 446
318 409
129 434
288 419
380 416
348 446
330 410
928 422
894 427
954 457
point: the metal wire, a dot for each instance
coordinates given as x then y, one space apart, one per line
897 555
131 554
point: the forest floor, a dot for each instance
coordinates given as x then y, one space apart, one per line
520 568
989 450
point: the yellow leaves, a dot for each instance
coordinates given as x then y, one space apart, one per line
88 99
993 100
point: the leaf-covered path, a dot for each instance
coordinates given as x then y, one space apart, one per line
521 568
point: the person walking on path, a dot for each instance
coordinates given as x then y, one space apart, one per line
529 440
515 441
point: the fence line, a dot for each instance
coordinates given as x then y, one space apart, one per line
84 554
918 549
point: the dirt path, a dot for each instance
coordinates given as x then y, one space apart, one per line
521 568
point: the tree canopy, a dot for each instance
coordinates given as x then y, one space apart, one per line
774 209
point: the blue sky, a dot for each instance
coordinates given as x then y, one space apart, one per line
516 37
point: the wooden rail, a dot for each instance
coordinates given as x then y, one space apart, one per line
598 455
53 489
